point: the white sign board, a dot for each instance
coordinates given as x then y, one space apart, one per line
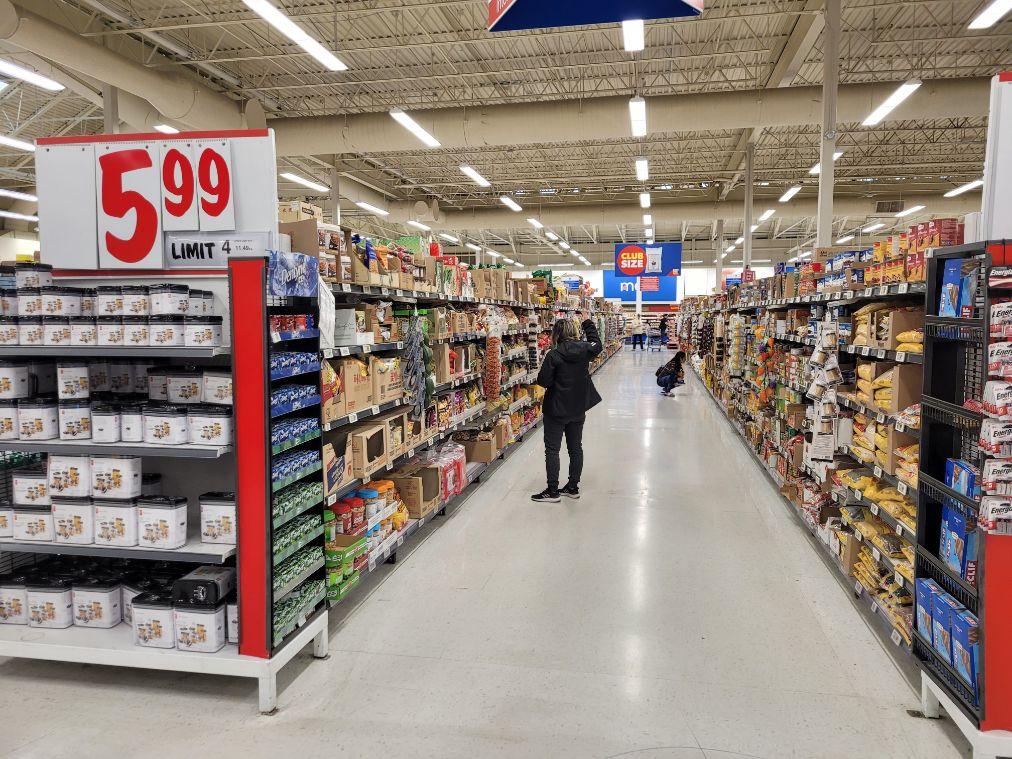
997 221
121 201
211 250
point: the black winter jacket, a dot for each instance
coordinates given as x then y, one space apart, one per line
565 375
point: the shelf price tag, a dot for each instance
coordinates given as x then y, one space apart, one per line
902 487
880 418
901 356
899 580
873 509
865 350
896 638
883 290
860 536
352 417
858 587
878 471
876 554
857 494
880 353
903 288
899 529
874 607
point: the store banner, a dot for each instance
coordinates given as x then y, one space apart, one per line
654 289
117 201
663 259
516 15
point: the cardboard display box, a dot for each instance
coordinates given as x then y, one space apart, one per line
906 388
482 451
398 431
387 379
502 433
333 401
356 381
418 485
350 327
369 448
441 357
337 470
895 440
899 322
298 210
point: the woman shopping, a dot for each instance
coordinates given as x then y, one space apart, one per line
569 394
638 330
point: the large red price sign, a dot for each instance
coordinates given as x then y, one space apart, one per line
144 189
121 201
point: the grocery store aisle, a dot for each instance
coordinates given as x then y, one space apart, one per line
676 612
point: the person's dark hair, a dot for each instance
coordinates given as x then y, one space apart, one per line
564 331
680 358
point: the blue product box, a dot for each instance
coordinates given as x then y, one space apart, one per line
925 593
966 646
866 256
948 303
960 544
943 532
963 477
941 624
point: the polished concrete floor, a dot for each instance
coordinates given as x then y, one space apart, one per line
677 611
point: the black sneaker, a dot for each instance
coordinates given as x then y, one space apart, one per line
570 491
547 496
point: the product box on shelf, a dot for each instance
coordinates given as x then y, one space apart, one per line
334 403
299 210
888 325
441 358
418 485
398 426
890 461
337 456
966 646
483 451
943 607
350 327
356 382
925 593
387 379
502 433
369 447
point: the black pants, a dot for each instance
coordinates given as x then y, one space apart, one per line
554 430
639 340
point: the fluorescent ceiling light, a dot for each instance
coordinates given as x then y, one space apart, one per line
18 216
739 241
818 167
412 126
449 238
518 265
511 204
642 169
419 225
19 195
844 240
991 15
666 187
754 227
729 248
472 246
27 75
535 223
508 260
900 94
304 182
762 260
474 176
548 191
564 245
965 188
767 214
638 116
551 235
166 129
649 232
873 227
575 254
648 220
633 35
372 209
12 142
644 200
805 255
909 211
493 253
790 193
276 18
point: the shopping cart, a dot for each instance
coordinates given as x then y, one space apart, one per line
655 340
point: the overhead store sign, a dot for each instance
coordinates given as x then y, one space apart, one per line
654 289
659 260
515 15
125 201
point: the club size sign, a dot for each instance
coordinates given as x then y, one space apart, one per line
110 202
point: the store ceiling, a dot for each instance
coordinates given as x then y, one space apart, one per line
424 54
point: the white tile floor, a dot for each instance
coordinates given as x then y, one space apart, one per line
676 612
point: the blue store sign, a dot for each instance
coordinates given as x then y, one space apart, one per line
655 289
514 15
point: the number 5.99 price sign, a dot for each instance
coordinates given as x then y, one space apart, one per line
145 188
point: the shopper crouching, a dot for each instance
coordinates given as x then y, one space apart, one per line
569 394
